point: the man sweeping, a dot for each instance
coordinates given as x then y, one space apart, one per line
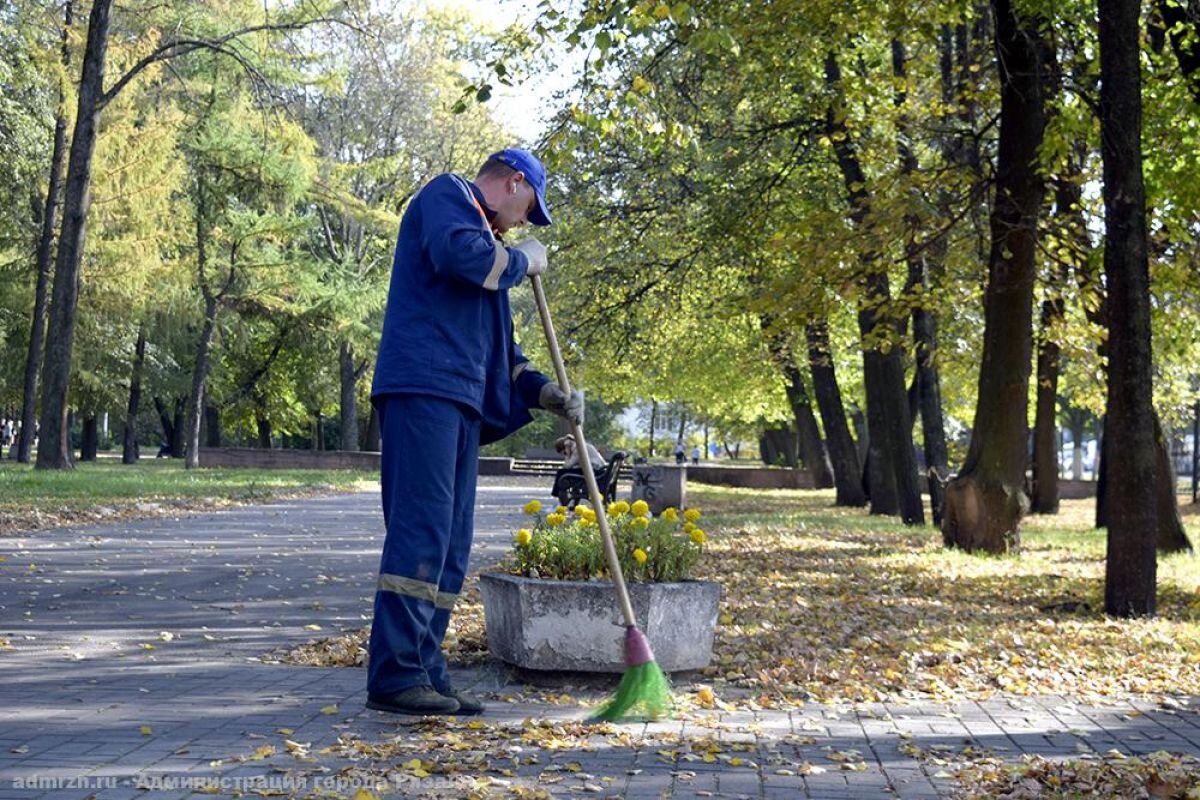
448 378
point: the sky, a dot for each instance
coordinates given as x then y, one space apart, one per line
521 108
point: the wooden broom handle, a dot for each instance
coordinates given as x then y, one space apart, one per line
589 477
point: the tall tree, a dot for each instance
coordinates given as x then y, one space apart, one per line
985 502
54 446
93 97
892 469
1130 565
919 288
843 453
45 256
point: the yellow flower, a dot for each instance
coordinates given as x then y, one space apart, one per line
619 507
533 507
698 536
670 514
641 522
561 510
555 519
692 514
640 508
688 527
586 514
524 536
587 521
639 555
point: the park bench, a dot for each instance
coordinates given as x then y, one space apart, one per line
570 487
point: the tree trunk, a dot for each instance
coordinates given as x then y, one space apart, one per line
1172 537
653 420
212 425
318 441
892 472
926 378
372 439
264 432
1196 452
843 452
1130 566
1076 424
777 446
54 448
985 503
89 440
45 255
349 396
1045 428
195 401
1182 20
164 419
812 449
129 439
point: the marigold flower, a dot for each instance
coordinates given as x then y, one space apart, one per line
641 522
561 510
640 508
524 536
639 555
698 536
619 507
670 514
533 507
692 514
555 519
688 527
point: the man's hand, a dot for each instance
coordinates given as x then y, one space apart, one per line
535 252
555 400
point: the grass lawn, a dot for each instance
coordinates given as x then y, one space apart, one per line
32 499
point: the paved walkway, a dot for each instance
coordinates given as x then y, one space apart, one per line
130 670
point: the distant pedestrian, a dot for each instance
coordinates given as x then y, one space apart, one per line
696 454
679 452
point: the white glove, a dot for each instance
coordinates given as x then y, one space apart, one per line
535 252
555 400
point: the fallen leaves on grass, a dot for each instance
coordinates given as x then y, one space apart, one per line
837 606
846 614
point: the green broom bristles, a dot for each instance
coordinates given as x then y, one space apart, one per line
644 691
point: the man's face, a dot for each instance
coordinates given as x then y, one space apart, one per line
515 205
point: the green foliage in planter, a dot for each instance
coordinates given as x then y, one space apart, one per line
561 545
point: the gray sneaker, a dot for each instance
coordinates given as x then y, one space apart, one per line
415 700
468 704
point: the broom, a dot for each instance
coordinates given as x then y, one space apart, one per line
644 691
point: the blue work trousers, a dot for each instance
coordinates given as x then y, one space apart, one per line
430 461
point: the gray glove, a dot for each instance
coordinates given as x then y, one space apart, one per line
555 400
535 252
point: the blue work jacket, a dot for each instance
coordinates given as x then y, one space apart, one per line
448 330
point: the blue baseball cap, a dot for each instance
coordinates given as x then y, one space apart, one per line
527 163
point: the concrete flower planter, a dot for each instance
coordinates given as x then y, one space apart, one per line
576 625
